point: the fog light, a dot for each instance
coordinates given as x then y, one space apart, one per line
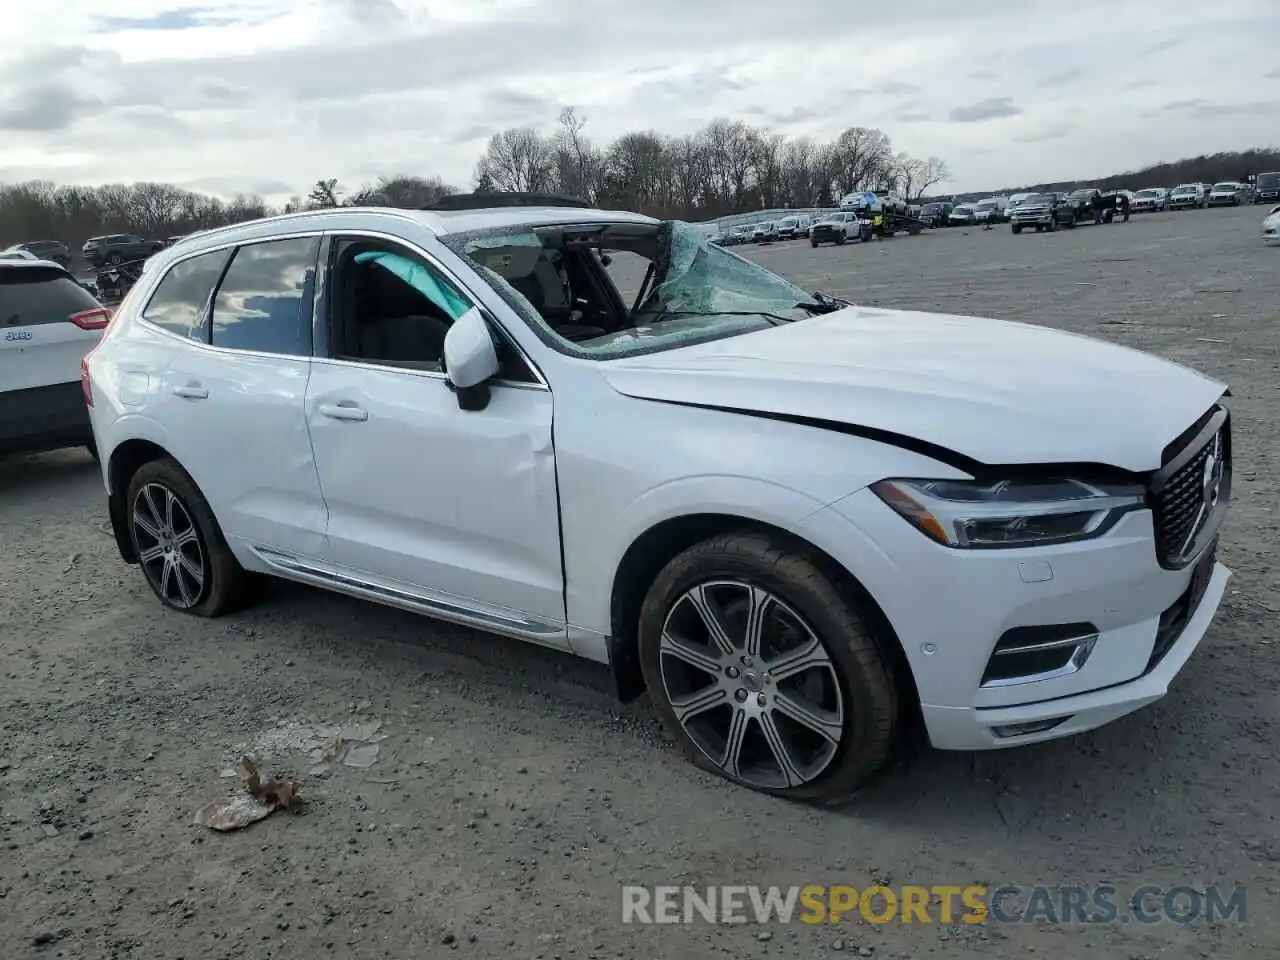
1025 729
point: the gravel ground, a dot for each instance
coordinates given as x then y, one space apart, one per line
511 798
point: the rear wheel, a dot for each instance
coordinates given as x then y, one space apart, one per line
766 671
179 545
813 243
1016 229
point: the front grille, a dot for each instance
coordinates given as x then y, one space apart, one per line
1179 506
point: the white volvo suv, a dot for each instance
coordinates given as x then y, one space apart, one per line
796 523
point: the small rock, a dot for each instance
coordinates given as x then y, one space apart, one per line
764 936
85 835
865 951
448 939
149 756
4 765
838 945
522 769
288 663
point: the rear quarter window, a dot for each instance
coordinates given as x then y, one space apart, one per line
179 304
38 295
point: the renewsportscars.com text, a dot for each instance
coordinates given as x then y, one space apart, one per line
939 903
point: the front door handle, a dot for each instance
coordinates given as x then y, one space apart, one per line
191 391
343 411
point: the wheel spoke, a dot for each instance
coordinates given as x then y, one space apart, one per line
166 576
156 518
151 554
731 760
781 752
170 501
184 589
187 536
757 607
146 526
688 654
822 722
195 572
798 661
703 603
699 702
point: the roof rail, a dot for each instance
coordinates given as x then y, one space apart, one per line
487 201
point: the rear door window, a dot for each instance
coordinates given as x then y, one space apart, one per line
36 295
264 301
179 304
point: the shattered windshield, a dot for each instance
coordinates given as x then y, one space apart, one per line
673 286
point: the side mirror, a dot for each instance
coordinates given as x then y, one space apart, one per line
470 360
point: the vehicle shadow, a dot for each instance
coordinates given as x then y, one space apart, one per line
1044 790
48 475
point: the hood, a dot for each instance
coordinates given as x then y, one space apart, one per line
989 390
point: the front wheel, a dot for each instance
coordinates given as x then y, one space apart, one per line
1016 229
813 243
766 671
179 546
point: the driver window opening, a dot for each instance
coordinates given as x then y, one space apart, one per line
390 307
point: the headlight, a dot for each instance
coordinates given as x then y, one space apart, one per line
1008 513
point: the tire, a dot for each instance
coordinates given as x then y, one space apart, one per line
840 240
1016 229
813 243
222 585
1053 225
854 692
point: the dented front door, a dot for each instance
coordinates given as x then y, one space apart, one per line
459 505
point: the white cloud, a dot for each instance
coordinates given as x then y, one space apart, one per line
246 94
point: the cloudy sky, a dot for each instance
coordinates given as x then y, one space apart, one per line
269 95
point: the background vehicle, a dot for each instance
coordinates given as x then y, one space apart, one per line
838 228
791 228
936 213
1150 200
118 248
764 232
1229 193
1271 226
1187 195
961 215
1015 199
991 209
1085 201
1266 187
874 202
24 255
48 322
1043 211
51 250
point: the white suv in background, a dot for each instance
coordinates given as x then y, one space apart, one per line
48 322
798 523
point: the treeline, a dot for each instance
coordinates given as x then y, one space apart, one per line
1209 168
727 167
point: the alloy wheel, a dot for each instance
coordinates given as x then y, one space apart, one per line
169 548
751 684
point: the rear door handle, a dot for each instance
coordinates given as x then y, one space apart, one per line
191 391
343 411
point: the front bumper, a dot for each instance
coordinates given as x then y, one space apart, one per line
1033 219
973 598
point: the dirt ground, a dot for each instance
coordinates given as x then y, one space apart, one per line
511 799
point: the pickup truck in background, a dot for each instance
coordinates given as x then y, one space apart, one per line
117 248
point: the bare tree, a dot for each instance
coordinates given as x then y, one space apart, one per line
325 193
931 173
519 159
